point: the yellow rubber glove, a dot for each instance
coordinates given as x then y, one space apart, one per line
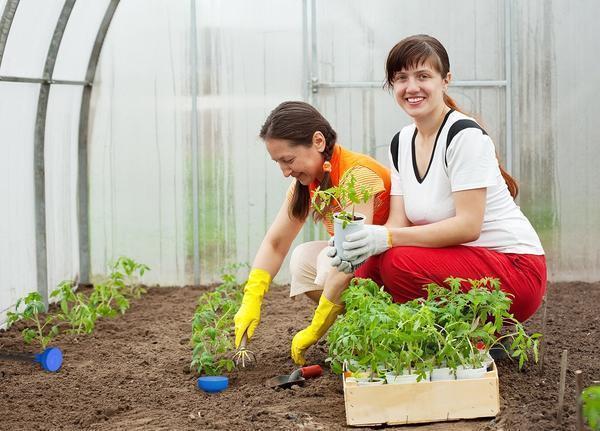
325 315
248 316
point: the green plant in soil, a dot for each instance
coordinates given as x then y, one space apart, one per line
41 329
77 310
111 296
213 326
129 272
341 199
107 298
447 328
591 406
74 308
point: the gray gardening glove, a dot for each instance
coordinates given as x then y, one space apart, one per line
367 242
341 265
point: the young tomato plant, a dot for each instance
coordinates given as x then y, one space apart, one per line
112 295
43 330
340 198
472 321
74 309
212 326
107 299
447 328
129 272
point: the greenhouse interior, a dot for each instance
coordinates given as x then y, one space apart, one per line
141 188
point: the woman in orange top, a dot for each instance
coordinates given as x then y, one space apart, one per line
304 145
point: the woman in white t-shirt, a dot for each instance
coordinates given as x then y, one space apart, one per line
452 209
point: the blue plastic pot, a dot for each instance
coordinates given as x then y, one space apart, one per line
212 384
50 359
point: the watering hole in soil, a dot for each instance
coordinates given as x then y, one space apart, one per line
132 373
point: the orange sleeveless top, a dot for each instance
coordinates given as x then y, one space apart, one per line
342 161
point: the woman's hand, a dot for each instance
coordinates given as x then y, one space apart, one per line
336 261
369 241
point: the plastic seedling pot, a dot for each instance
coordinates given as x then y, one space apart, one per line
375 381
50 359
444 373
213 384
340 232
464 373
405 377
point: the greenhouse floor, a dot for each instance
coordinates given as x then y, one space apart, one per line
132 373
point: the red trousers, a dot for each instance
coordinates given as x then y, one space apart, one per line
403 271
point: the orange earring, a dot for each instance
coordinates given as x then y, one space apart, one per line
326 166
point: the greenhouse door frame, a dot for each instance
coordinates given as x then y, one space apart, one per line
312 83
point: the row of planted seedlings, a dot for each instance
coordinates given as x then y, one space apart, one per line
444 336
213 331
77 312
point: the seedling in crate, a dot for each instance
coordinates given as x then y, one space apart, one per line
448 328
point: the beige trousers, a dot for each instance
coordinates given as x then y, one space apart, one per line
309 266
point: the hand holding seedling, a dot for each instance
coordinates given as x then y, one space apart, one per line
342 265
359 246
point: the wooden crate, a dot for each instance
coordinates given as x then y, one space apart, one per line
422 402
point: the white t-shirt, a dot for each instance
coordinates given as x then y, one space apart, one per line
469 162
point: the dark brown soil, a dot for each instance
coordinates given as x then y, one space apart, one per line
131 373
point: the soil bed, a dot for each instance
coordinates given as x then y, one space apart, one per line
131 373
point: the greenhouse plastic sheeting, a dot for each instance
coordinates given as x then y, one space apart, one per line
178 178
17 224
142 138
62 132
29 38
78 39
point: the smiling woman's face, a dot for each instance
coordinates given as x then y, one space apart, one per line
419 90
301 162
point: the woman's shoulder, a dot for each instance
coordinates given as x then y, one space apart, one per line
459 120
405 134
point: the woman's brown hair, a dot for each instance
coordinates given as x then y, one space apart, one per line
297 122
419 49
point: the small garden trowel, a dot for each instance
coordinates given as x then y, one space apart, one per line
298 377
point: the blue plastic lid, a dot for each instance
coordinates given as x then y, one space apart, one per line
213 384
51 359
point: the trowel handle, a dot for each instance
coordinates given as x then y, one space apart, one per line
311 371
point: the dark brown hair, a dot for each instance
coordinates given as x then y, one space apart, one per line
419 49
297 122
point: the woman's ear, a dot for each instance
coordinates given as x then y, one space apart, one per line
319 142
447 80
